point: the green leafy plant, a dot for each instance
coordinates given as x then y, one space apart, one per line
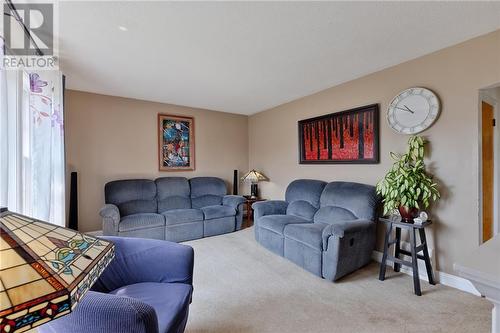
407 184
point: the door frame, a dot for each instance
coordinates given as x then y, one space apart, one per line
485 97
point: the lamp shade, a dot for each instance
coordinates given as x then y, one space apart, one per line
254 176
44 270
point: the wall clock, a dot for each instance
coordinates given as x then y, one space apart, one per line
413 110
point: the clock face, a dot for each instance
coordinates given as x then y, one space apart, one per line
413 110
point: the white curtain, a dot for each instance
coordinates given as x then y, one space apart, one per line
32 170
3 133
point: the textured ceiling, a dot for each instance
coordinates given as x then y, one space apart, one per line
245 57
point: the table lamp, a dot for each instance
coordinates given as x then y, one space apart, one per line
44 270
254 177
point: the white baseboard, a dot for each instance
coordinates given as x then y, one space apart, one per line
94 233
440 277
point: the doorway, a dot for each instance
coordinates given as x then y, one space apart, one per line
489 163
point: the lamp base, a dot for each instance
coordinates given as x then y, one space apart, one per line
254 191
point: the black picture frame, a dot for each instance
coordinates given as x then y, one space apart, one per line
335 122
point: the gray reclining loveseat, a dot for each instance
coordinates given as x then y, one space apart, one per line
326 228
170 208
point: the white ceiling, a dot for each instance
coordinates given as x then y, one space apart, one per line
245 57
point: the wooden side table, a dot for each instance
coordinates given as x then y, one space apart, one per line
249 202
414 251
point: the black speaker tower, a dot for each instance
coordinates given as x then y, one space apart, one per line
235 182
73 202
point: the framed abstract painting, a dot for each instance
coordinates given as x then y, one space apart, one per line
175 142
350 136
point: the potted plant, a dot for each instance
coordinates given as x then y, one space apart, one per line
407 187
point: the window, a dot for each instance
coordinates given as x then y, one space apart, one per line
32 165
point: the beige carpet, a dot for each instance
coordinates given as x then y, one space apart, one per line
242 287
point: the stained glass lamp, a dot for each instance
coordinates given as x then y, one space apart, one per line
254 177
44 270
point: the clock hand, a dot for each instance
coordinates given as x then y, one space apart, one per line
408 109
397 107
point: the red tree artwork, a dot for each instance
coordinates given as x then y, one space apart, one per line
343 137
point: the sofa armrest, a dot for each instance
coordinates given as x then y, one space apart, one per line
237 202
270 207
233 201
110 219
99 312
341 228
146 260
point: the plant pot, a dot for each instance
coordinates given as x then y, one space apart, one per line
407 213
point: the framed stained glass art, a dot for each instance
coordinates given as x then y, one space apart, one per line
175 143
44 270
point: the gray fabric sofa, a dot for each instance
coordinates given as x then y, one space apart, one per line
170 208
326 228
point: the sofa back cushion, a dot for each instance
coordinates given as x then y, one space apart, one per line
349 201
308 190
132 196
172 193
207 191
301 208
332 214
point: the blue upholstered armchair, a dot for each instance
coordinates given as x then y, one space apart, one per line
146 288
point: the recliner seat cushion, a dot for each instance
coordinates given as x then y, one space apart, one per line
309 234
178 216
141 221
218 211
170 300
277 223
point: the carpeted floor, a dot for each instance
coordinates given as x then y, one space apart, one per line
242 287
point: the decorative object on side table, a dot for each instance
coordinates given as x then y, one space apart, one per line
254 177
395 222
45 271
175 143
407 186
350 136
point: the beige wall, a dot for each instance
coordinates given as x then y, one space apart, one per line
455 74
110 138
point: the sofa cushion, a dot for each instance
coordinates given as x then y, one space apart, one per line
206 191
172 193
170 301
132 196
137 207
305 189
301 208
141 221
277 223
332 214
178 216
360 199
309 234
206 200
218 211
